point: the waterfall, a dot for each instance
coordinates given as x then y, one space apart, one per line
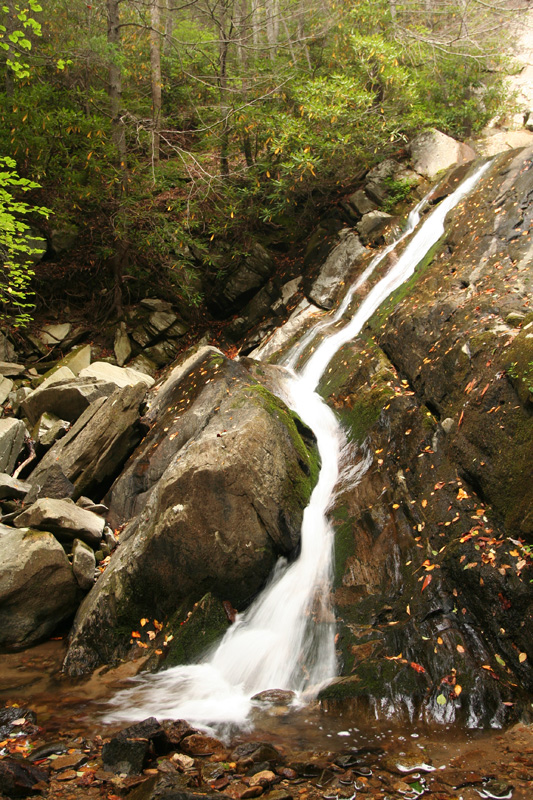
285 640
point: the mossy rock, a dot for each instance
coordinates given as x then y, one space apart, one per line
193 636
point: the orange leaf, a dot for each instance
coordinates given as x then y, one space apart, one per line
424 503
136 634
522 657
460 648
458 689
427 581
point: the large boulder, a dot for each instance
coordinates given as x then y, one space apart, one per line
37 587
433 152
64 519
98 444
335 270
219 486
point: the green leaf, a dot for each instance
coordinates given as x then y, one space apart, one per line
441 700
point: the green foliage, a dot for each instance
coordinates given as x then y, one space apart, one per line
16 246
14 35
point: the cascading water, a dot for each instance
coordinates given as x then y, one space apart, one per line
285 640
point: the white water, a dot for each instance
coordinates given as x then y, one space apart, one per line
285 640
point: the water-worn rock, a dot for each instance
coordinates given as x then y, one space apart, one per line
361 202
83 564
431 536
37 587
433 151
336 269
12 432
64 519
221 437
66 399
98 443
11 370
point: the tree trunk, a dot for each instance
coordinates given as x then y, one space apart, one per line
155 67
119 139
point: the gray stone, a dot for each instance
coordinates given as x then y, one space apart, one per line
37 587
243 280
56 374
143 364
77 359
447 425
372 225
12 432
7 351
66 399
11 488
83 564
360 201
55 334
122 344
98 443
336 269
5 387
290 289
51 483
10 370
64 238
156 304
17 397
109 539
162 353
433 151
120 376
64 519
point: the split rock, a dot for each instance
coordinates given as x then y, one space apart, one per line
433 151
12 489
68 399
98 443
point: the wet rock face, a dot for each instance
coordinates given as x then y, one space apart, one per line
433 573
218 487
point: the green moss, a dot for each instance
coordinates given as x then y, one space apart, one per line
197 632
344 543
385 310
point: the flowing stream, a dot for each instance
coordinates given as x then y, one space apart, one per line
285 640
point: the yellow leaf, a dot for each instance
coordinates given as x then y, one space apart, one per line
424 503
268 174
143 622
461 494
460 648
440 640
458 689
522 657
231 215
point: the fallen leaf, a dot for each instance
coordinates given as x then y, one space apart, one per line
427 581
499 659
522 657
461 494
424 503
136 635
460 648
458 689
441 700
143 622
